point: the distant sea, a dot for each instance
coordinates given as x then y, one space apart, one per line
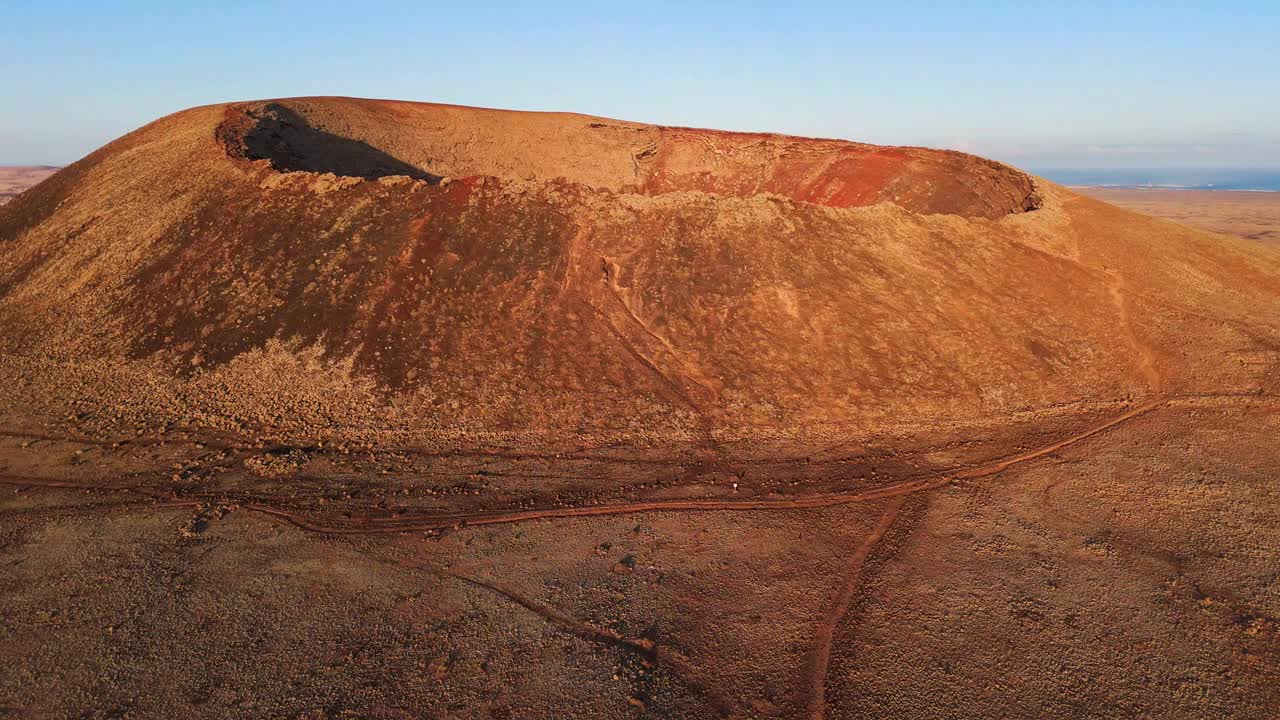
1254 179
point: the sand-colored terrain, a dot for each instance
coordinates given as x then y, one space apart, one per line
16 178
1252 215
327 407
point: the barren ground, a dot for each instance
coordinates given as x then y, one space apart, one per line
1252 215
1121 567
16 178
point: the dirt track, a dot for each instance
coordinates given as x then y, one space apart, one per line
454 521
818 656
825 635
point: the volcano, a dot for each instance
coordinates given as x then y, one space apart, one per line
517 414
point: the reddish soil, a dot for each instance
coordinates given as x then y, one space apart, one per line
328 407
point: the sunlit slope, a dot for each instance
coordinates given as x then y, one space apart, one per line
472 270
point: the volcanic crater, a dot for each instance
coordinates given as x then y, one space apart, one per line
325 406
426 143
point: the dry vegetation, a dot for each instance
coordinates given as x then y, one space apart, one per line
393 410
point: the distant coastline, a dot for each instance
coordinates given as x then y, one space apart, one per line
1169 188
1228 179
1158 188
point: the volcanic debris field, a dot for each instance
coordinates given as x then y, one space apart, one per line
326 408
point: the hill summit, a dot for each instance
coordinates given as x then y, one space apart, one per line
322 264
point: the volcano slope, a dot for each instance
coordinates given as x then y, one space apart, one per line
329 407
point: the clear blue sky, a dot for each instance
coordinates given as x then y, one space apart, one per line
1035 84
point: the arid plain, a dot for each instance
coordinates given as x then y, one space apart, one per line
1252 215
393 410
15 179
